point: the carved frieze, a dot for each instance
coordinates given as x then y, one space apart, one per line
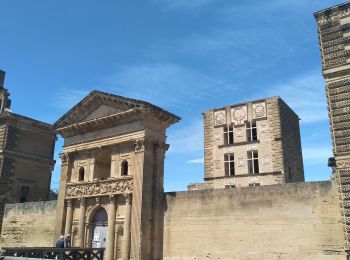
99 188
239 115
219 118
259 110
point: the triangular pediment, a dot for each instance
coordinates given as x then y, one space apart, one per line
97 105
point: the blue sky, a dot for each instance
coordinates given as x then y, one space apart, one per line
183 55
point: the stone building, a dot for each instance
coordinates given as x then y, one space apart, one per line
251 144
334 39
112 175
26 155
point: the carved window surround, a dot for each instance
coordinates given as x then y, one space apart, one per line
120 185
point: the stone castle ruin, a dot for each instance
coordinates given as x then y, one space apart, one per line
253 204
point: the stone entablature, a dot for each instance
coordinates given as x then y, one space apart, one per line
121 185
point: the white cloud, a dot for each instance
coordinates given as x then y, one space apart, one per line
196 161
187 139
305 95
164 84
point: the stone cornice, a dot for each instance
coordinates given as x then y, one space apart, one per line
28 156
100 123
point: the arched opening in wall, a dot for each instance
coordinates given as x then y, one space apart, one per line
102 169
124 168
81 174
99 229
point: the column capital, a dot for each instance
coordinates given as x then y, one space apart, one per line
111 199
69 202
144 144
82 201
65 157
128 198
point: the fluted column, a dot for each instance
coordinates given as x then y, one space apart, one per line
126 240
69 217
81 224
111 228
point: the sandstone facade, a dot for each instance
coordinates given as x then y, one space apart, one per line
112 175
250 144
26 155
334 39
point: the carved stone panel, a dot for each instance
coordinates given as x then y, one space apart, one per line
219 118
259 110
99 188
239 115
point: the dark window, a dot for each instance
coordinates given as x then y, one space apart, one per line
81 176
229 164
253 162
24 194
125 168
252 134
228 135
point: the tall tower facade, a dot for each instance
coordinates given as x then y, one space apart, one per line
250 144
334 40
111 186
26 155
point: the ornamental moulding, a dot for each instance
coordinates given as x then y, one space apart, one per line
99 188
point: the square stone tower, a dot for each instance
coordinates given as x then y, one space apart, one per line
26 155
111 186
334 39
250 144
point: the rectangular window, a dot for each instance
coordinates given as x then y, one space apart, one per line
253 162
252 133
24 194
229 164
228 135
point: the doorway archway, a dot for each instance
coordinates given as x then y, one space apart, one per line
99 229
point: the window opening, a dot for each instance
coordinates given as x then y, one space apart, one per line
229 164
228 135
125 168
24 194
81 176
253 162
252 134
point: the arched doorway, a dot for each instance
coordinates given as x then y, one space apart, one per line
99 229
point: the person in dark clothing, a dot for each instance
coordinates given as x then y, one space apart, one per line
67 241
60 242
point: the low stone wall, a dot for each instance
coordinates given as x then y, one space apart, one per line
290 221
29 224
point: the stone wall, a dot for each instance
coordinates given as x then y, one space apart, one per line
29 224
290 221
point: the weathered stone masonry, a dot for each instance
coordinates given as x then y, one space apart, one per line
334 39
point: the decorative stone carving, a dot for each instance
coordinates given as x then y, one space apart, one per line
64 157
128 198
99 188
144 143
259 110
343 164
239 132
239 115
219 118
